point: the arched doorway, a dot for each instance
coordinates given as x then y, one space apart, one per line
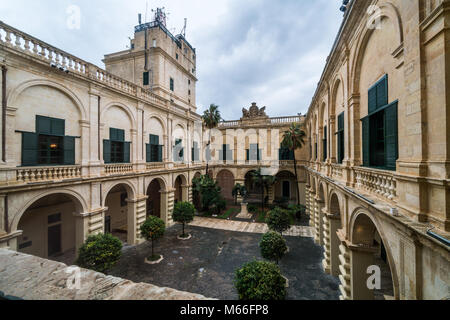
48 227
225 180
285 187
154 199
254 190
118 212
180 189
372 253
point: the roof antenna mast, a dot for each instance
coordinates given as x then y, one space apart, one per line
183 32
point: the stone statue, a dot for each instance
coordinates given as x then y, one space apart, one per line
254 112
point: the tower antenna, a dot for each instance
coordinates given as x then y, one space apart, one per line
183 31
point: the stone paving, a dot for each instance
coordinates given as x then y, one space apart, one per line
206 263
250 227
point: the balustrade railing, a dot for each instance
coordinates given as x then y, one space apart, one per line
337 172
378 182
118 168
37 174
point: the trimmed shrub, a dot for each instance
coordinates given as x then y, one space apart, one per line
99 253
278 220
153 229
183 213
273 246
252 208
260 280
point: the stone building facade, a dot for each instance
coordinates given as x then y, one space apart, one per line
378 175
86 150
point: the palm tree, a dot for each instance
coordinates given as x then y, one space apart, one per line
211 119
264 182
294 139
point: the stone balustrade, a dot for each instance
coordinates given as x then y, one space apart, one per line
337 172
118 168
36 174
155 166
285 120
377 182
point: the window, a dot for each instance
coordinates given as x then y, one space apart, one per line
116 150
340 138
178 150
154 150
315 146
146 78
154 43
172 84
254 153
189 81
176 55
380 129
48 145
324 144
285 154
195 152
225 154
189 92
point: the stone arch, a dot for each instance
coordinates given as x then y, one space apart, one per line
161 179
155 204
322 191
129 187
226 181
125 108
334 224
286 186
364 229
388 11
159 119
180 184
338 81
48 225
15 94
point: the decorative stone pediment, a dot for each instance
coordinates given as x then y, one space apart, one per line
254 113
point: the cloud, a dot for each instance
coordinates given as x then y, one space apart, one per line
264 51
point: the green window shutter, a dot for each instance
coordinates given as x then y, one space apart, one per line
341 121
372 99
126 152
69 150
382 92
121 135
113 134
146 78
107 151
280 154
248 154
58 127
325 137
29 149
148 152
366 140
43 125
391 136
160 153
154 139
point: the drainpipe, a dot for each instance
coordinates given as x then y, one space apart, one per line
4 113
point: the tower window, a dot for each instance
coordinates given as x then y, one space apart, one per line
172 84
176 55
154 43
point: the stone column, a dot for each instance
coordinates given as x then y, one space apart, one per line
331 243
318 221
88 223
185 193
326 262
312 209
271 195
345 272
190 196
167 204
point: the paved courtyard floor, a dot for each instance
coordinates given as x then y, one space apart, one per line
206 263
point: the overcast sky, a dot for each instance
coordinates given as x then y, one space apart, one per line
267 51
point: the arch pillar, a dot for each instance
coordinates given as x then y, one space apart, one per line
331 224
87 224
167 205
361 258
320 204
312 209
186 193
136 215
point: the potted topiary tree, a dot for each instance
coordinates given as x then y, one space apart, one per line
278 220
260 280
153 229
183 213
99 253
273 246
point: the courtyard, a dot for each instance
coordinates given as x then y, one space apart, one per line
206 264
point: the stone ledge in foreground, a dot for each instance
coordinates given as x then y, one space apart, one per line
32 278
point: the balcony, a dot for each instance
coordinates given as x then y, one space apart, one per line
377 182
